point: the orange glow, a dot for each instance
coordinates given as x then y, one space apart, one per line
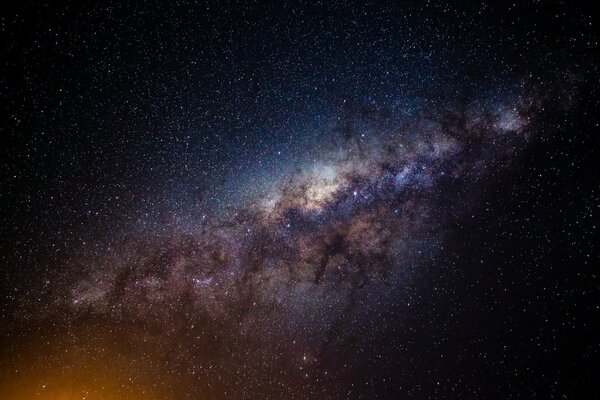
55 371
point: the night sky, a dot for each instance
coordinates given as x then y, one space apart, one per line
299 200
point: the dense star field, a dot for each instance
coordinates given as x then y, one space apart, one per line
299 201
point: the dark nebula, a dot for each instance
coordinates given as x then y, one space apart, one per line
299 201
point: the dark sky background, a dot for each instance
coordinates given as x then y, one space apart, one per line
289 200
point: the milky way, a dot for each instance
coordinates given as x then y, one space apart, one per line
338 240
255 200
